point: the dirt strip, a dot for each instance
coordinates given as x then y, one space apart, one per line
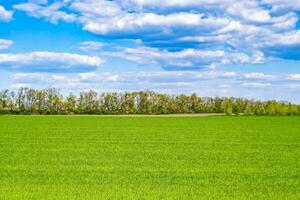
132 115
162 115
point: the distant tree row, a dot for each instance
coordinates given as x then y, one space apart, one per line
51 101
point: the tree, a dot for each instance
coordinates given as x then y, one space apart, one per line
41 101
53 101
4 101
88 102
271 108
143 102
228 106
70 104
128 103
50 101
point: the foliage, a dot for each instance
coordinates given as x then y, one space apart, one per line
50 101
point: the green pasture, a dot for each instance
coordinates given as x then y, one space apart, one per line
94 157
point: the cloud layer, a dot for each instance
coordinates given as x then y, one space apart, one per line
205 83
50 61
244 31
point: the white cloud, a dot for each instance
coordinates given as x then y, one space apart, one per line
249 10
21 76
50 13
42 2
258 75
112 81
164 3
294 77
279 5
58 77
204 83
39 61
282 39
229 74
20 85
225 86
213 38
92 76
5 15
244 31
139 22
31 78
88 76
184 58
90 46
257 85
96 8
45 80
5 44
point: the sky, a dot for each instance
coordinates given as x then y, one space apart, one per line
248 49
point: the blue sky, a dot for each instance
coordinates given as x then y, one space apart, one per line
247 48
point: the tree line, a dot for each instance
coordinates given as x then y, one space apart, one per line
51 102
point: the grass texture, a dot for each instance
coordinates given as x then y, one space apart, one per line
93 157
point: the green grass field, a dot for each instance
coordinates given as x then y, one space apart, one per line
90 157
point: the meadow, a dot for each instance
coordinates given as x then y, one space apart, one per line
96 157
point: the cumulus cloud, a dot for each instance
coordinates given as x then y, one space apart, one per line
249 10
174 3
185 58
50 61
96 8
142 22
281 5
5 15
51 13
5 44
245 31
